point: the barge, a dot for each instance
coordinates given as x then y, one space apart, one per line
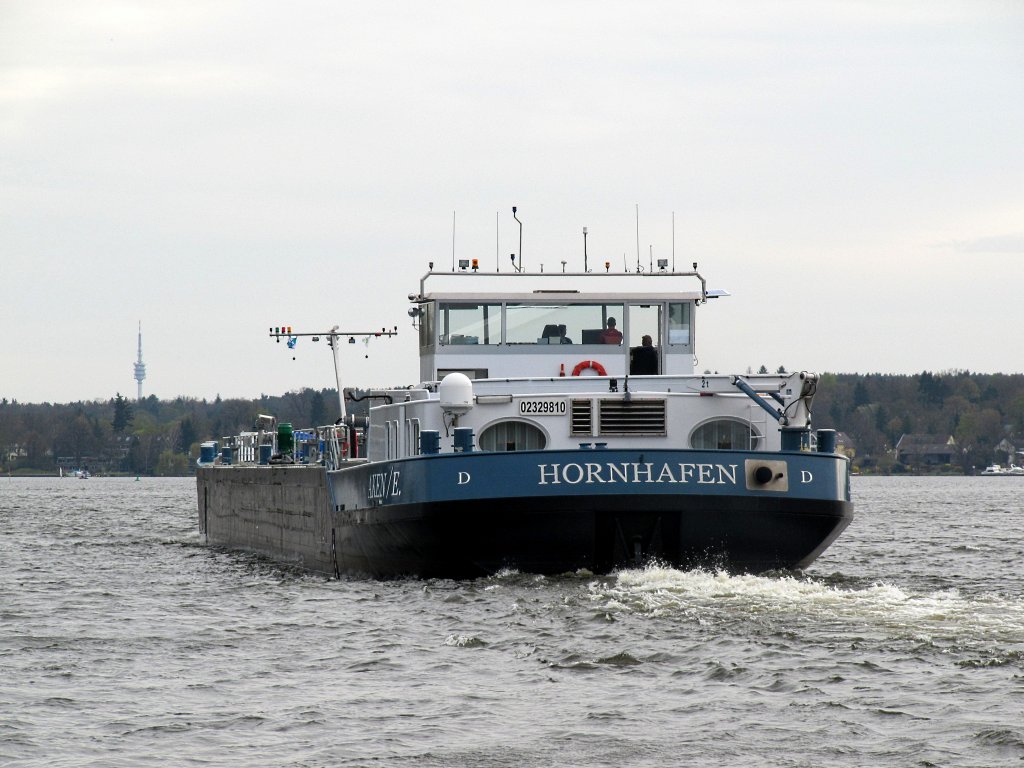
558 425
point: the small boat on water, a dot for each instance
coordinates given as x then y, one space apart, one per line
998 470
558 425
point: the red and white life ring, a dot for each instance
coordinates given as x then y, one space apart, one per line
580 367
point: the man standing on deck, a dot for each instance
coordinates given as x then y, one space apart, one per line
643 360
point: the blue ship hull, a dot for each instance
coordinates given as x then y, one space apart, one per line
465 515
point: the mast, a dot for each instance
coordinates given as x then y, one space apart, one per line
333 340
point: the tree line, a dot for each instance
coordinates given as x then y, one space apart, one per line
979 411
161 437
144 437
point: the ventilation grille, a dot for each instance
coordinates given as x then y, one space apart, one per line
631 417
582 418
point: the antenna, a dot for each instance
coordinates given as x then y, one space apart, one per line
638 237
497 242
673 241
584 250
520 267
453 241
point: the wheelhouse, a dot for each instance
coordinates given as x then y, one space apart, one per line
616 324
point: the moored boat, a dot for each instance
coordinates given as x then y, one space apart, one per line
559 425
998 470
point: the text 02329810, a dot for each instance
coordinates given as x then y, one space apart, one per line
542 407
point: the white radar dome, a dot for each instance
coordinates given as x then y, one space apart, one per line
456 393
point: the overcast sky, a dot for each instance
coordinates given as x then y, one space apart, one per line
851 172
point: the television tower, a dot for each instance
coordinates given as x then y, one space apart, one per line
140 367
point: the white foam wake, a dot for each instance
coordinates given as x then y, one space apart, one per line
718 596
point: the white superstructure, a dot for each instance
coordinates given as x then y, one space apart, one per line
536 365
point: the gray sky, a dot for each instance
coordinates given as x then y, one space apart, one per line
852 172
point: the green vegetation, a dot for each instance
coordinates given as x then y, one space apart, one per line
978 411
148 437
981 412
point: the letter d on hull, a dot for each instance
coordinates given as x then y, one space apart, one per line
463 478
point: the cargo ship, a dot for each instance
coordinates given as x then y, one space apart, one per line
558 425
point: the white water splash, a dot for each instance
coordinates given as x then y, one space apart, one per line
713 597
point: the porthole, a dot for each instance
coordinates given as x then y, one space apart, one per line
512 436
724 434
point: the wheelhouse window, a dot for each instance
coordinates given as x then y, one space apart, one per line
512 436
645 320
560 323
679 314
427 324
469 324
724 434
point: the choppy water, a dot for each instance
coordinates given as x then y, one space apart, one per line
125 642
